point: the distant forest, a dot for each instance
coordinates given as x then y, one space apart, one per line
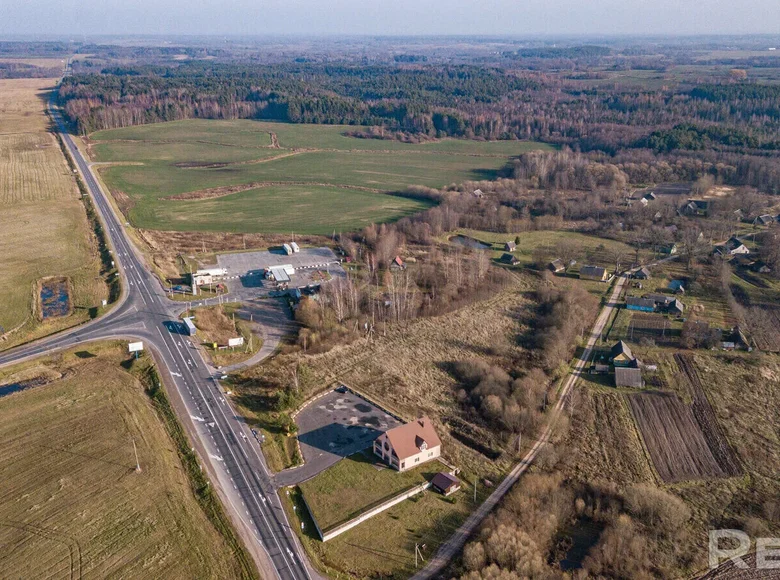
723 120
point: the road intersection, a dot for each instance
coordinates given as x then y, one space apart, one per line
232 458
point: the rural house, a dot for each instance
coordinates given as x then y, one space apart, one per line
649 196
621 355
764 220
595 273
660 299
397 264
629 377
733 247
641 304
678 286
670 249
445 483
676 308
642 274
556 266
409 445
697 207
510 247
509 259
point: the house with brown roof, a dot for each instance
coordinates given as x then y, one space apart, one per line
408 446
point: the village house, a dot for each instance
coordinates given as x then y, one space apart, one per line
409 445
510 247
697 207
733 247
397 264
764 220
642 274
621 355
509 259
676 308
595 273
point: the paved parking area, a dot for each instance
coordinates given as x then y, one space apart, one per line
334 426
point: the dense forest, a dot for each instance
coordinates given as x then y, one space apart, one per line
722 124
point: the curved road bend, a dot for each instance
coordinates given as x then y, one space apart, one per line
450 548
231 454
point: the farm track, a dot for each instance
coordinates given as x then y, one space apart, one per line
705 416
216 192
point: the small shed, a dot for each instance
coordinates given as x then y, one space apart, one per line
556 266
510 247
629 377
445 483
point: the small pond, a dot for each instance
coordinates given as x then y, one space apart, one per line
55 299
468 242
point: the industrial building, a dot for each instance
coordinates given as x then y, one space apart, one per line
208 276
280 273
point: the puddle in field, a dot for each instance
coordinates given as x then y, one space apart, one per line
55 299
10 389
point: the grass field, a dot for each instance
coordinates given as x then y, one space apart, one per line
383 547
44 229
310 178
356 483
72 504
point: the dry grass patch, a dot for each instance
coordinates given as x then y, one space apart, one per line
73 505
218 324
409 368
44 229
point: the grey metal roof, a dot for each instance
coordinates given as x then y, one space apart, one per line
628 377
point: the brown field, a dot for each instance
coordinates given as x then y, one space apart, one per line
72 504
684 440
44 229
764 324
673 438
602 440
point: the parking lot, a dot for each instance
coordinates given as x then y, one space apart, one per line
334 426
312 267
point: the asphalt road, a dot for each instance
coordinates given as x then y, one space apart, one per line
231 454
452 546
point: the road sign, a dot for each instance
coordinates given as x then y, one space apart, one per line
236 341
135 346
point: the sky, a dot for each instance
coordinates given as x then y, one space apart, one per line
388 17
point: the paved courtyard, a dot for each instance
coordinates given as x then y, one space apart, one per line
335 426
249 266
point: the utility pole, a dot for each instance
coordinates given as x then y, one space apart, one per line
137 463
475 489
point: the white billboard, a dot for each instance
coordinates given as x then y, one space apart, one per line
135 346
236 341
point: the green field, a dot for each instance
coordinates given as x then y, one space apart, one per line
356 483
315 181
73 504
